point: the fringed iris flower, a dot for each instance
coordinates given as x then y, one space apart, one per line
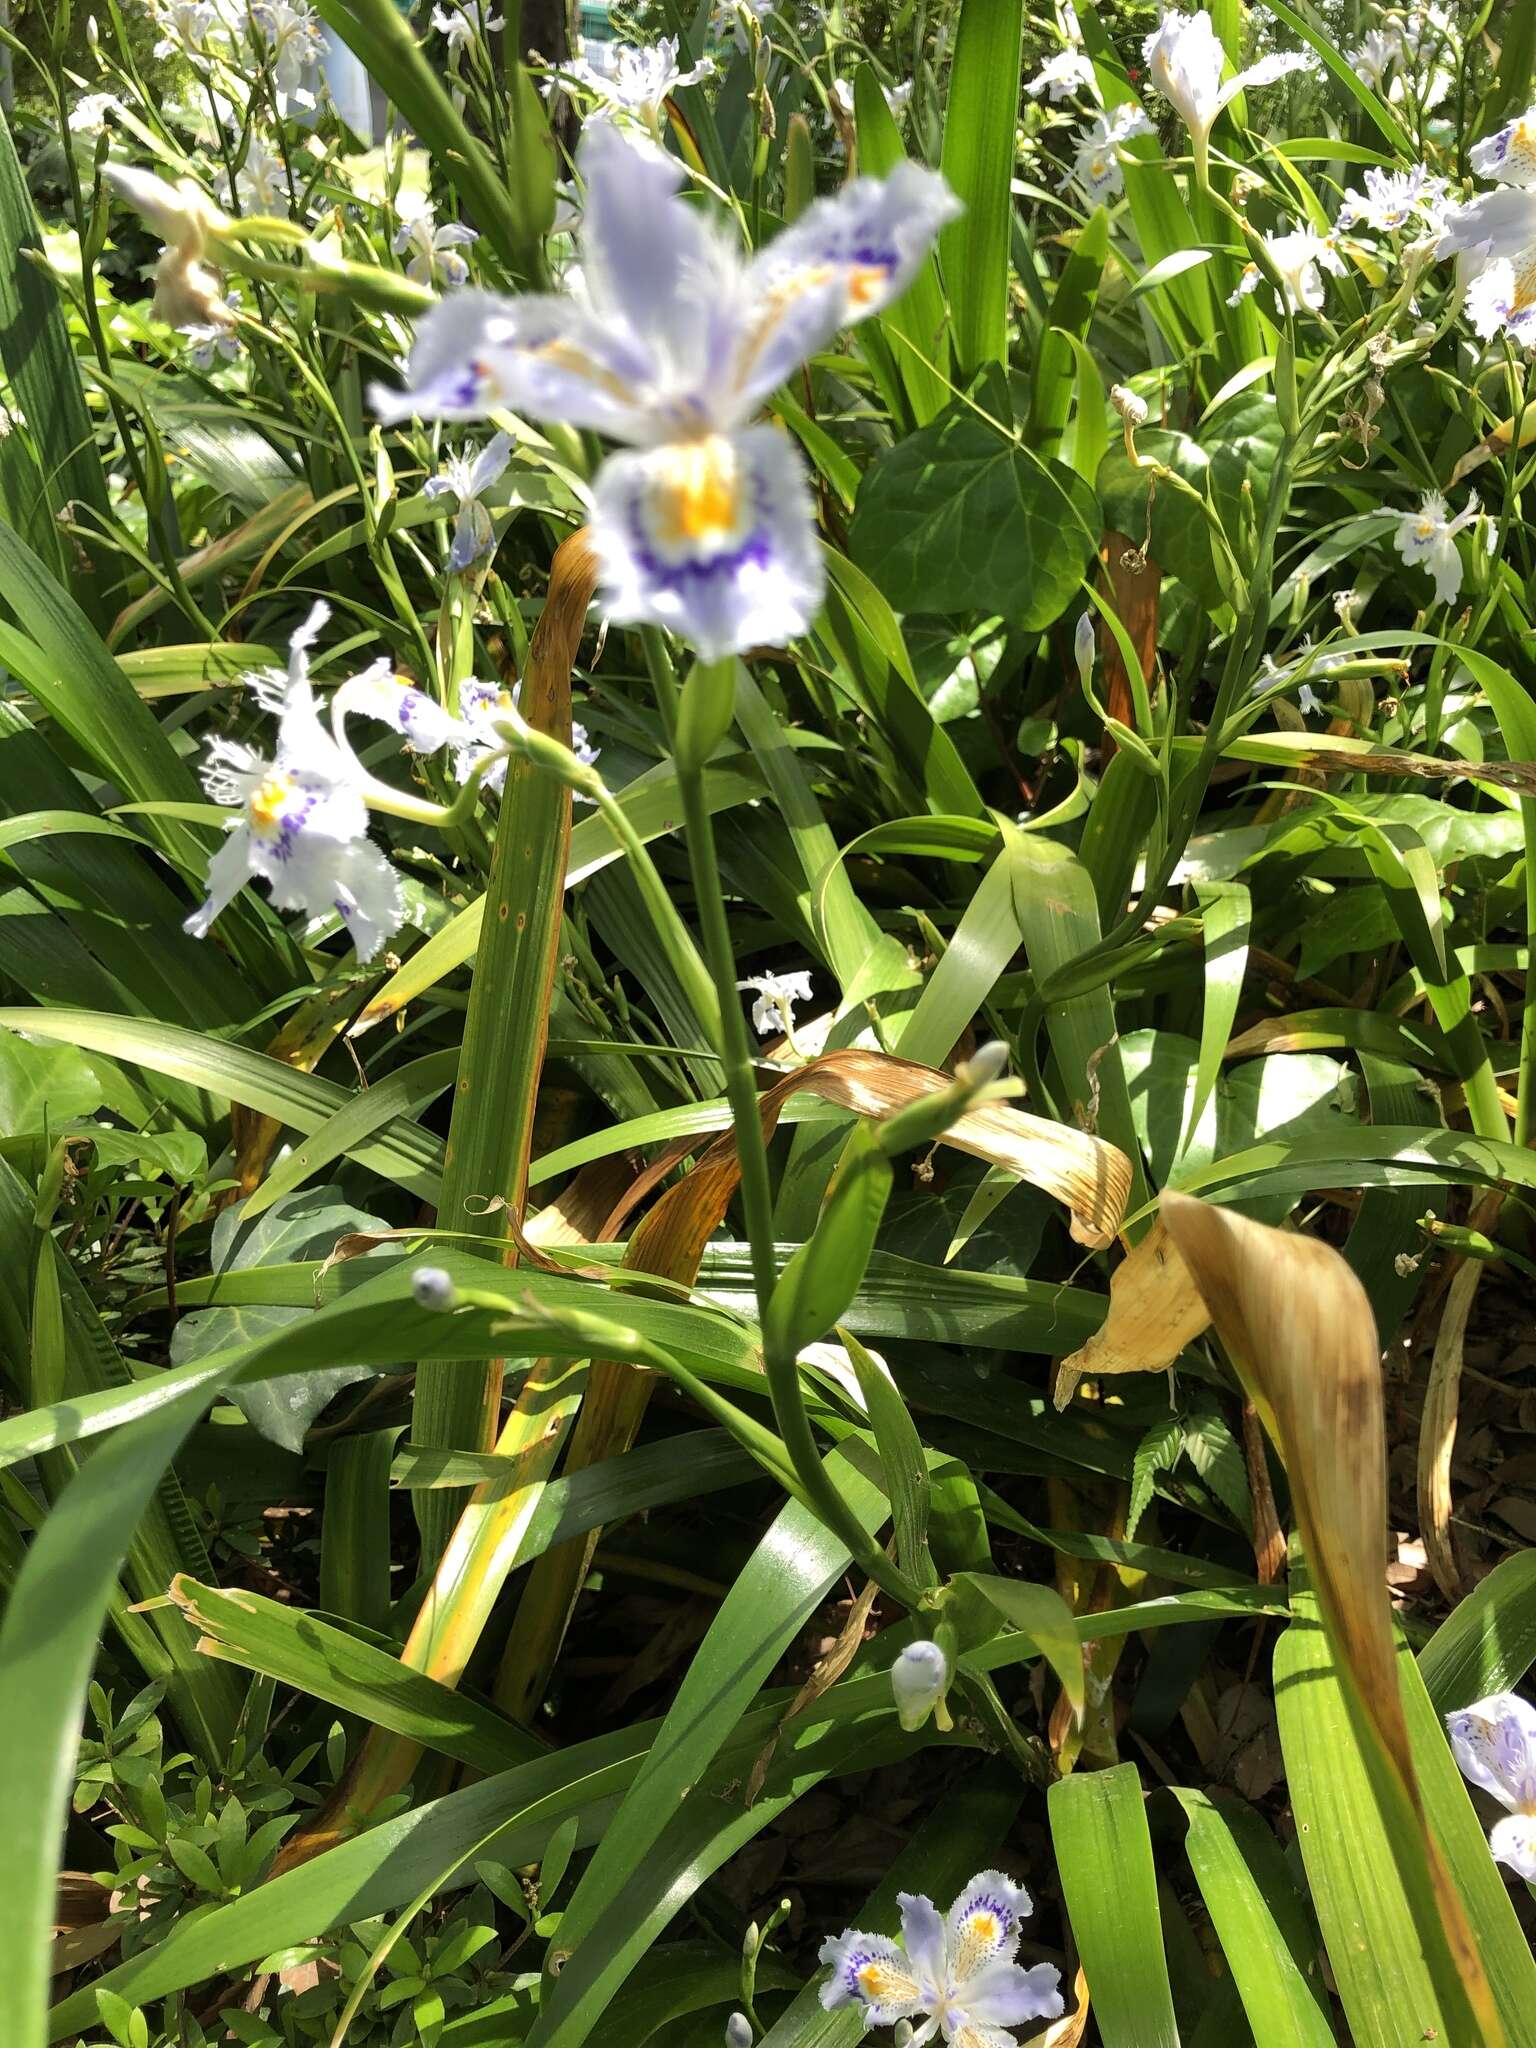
706 526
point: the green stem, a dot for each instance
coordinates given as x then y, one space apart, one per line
733 1044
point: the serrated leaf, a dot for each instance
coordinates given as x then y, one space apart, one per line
1157 1452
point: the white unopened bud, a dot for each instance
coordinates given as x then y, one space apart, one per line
918 1679
1085 645
987 1063
738 2031
431 1287
902 2037
92 35
1132 410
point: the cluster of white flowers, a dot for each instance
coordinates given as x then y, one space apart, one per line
1407 57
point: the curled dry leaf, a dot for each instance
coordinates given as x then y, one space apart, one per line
1299 1329
1090 1175
1155 1309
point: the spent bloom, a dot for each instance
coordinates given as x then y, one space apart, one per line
1185 57
1096 161
1059 77
1301 257
672 343
434 250
187 292
642 80
956 1972
468 477
302 822
1427 538
1495 1744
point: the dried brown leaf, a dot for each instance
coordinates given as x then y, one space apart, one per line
1155 1309
1299 1329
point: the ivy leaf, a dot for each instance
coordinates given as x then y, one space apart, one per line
959 518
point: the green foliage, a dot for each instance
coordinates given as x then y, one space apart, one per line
498 1656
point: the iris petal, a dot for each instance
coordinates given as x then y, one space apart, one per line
983 1924
714 539
542 354
844 259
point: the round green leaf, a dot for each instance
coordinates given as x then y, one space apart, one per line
960 518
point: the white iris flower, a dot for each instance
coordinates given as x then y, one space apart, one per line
468 477
1373 57
1186 59
1393 200
260 183
895 97
1495 1744
706 526
1509 157
460 29
1059 77
777 995
1427 538
302 824
290 34
186 27
210 344
641 81
1301 257
88 115
1096 161
472 737
957 1973
1496 234
434 250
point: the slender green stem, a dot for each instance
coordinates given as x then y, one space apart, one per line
734 1047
